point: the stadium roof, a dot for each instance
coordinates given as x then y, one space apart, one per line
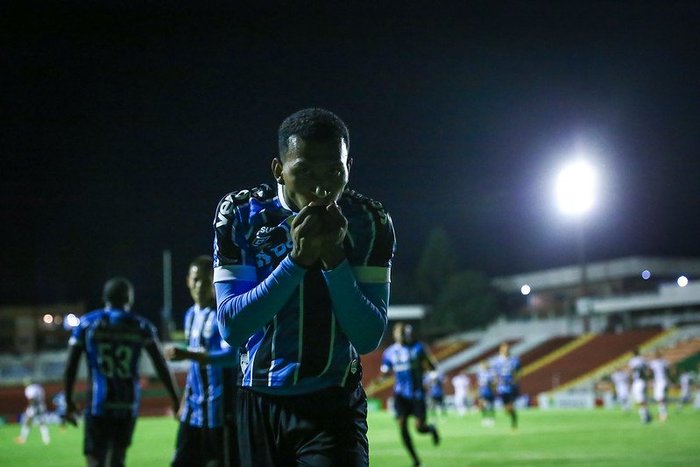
621 268
667 296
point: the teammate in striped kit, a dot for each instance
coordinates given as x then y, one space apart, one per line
486 380
302 283
206 430
407 359
506 368
112 339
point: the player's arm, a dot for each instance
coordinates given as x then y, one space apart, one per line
360 295
243 305
429 360
153 348
225 357
69 375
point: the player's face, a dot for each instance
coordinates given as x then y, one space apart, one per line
398 334
200 283
313 171
505 350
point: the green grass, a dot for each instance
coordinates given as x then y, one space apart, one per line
575 437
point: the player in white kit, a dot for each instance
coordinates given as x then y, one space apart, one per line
640 372
660 369
621 380
36 410
460 382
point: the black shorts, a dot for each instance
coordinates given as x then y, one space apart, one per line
197 446
321 429
101 432
404 406
508 397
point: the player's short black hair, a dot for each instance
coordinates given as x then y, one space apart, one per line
117 292
312 124
203 262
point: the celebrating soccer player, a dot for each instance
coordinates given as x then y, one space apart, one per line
302 282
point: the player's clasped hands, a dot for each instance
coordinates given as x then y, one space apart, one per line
318 232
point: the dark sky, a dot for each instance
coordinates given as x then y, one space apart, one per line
123 126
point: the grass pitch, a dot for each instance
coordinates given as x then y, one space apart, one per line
557 437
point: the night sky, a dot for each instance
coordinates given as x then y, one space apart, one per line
123 126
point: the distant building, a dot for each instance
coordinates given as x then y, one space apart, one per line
28 329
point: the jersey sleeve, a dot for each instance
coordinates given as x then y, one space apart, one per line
231 261
374 266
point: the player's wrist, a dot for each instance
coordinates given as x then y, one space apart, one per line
302 260
333 257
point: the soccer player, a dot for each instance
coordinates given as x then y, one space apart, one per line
640 373
35 411
661 372
112 339
685 381
61 408
460 383
437 392
506 367
408 359
620 380
486 380
201 440
302 282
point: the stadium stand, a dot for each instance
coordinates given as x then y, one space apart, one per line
596 352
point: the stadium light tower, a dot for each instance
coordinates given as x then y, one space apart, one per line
575 191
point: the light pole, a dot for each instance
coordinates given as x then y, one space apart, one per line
575 193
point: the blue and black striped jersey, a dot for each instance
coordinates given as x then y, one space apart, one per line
406 361
205 387
112 340
505 369
303 347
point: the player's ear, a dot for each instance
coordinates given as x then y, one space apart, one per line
276 167
348 164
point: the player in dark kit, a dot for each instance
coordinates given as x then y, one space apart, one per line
408 360
302 282
112 339
506 368
201 438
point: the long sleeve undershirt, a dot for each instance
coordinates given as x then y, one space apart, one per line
244 307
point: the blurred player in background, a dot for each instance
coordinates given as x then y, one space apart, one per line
620 379
302 283
486 381
460 383
202 439
685 382
408 359
60 408
35 412
640 373
661 372
112 339
506 367
436 390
